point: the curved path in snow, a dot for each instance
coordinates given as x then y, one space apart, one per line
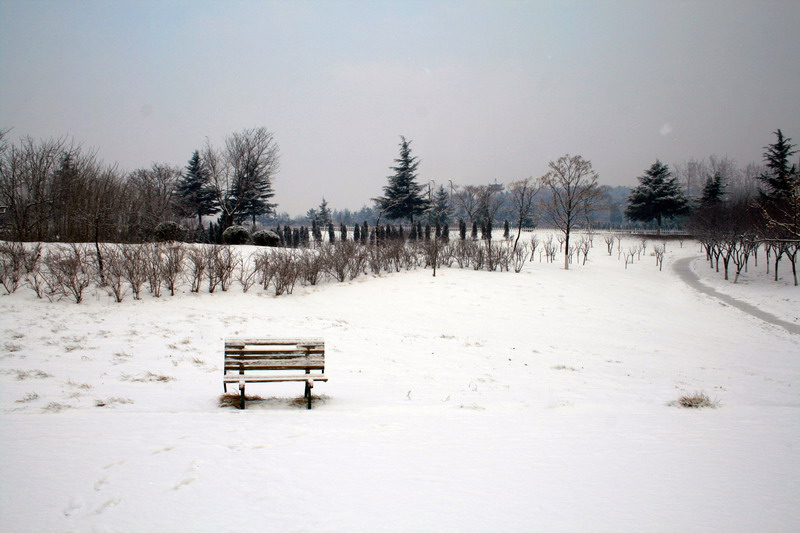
684 269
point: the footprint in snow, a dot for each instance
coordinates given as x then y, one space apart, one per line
73 505
164 449
107 505
183 483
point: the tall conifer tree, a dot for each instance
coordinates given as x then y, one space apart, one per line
657 196
196 191
403 197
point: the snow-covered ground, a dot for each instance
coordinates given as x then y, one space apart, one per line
472 401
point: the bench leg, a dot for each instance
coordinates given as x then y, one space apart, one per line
241 392
309 384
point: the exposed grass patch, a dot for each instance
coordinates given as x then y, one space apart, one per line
300 402
23 375
84 386
55 407
235 400
110 402
147 377
698 400
31 396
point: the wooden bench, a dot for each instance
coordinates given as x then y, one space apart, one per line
273 361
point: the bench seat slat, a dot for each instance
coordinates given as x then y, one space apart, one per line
277 342
235 378
268 356
273 353
247 369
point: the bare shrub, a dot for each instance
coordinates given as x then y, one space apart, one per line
213 274
71 269
658 251
12 265
609 240
247 273
32 265
154 264
462 254
312 266
376 259
265 268
172 266
134 268
285 272
519 257
550 249
114 275
337 260
358 259
197 267
222 262
534 245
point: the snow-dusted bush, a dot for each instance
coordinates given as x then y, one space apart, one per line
266 238
169 231
236 235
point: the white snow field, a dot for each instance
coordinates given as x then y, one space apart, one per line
468 402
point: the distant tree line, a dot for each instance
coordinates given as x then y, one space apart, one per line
733 225
53 190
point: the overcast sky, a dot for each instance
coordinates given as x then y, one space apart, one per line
485 90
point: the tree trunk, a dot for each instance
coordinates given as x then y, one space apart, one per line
566 250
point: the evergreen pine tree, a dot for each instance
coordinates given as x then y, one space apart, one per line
364 232
331 234
195 191
403 197
252 190
506 233
780 175
343 231
712 191
441 206
323 214
462 229
474 230
657 196
356 233
446 232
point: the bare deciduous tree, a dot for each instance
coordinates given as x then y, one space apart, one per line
242 174
523 194
574 195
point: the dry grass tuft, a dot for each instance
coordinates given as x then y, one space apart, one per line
235 400
147 377
697 400
300 402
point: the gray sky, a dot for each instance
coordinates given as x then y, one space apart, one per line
485 90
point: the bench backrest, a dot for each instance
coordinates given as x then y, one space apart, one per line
243 355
